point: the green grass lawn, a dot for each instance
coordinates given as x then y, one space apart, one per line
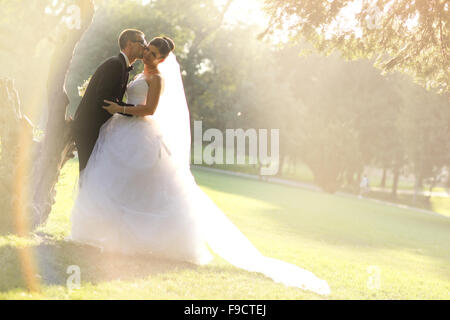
338 238
300 172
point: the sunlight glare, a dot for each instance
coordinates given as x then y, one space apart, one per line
245 11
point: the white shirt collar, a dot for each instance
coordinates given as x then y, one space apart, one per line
126 59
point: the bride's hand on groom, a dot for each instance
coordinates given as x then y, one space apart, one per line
112 107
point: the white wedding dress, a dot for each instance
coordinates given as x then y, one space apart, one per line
136 197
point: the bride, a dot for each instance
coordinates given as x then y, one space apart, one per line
138 195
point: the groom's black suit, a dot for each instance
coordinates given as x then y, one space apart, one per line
109 82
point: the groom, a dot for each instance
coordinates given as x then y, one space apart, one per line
109 82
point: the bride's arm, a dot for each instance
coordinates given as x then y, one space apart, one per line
153 95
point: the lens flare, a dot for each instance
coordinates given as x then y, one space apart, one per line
20 204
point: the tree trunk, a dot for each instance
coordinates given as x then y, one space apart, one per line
395 183
17 144
57 146
417 187
433 183
383 178
326 176
448 177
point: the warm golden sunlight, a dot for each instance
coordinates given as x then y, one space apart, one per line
225 158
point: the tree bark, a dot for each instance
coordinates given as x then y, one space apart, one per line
383 178
448 177
395 183
16 133
57 146
417 186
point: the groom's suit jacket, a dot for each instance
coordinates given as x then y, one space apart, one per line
109 82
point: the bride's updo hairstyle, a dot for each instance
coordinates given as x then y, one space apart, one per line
165 45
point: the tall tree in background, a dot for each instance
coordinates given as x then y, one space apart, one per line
338 119
411 36
35 165
57 146
425 128
203 20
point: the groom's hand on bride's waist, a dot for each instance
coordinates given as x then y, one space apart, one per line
123 104
114 107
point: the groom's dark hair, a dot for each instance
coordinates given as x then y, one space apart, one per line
128 35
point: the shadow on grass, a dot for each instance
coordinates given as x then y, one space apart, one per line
420 201
53 257
339 220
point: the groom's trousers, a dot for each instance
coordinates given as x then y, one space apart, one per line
85 145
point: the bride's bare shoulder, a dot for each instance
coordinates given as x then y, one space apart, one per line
155 78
